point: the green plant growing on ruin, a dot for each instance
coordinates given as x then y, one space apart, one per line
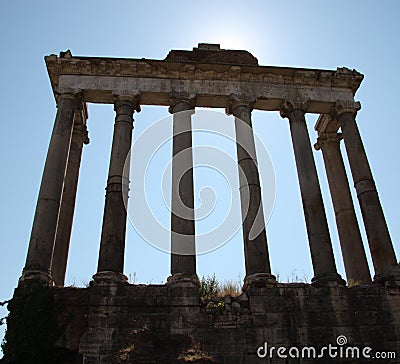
215 309
209 286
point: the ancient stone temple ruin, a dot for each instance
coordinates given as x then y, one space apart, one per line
112 321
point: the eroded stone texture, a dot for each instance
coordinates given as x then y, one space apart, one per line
170 324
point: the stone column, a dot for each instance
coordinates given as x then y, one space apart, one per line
112 245
66 215
353 252
183 250
317 227
380 243
40 252
258 269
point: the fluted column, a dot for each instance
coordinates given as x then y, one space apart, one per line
316 223
380 243
67 208
258 269
183 250
112 245
40 252
355 261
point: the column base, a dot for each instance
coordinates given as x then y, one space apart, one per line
389 276
35 276
258 280
183 279
184 290
328 280
109 277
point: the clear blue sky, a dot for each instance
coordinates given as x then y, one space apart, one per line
314 34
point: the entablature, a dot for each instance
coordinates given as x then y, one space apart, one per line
100 78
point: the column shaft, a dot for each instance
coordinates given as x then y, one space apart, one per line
44 227
316 223
112 245
257 263
183 251
353 252
67 208
380 243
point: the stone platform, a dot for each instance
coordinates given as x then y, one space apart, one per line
171 324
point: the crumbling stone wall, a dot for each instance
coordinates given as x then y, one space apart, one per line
170 323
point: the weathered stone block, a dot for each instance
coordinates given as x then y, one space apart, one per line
160 324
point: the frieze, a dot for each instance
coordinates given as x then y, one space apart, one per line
211 93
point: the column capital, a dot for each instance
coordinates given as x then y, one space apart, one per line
236 100
184 97
345 106
327 138
288 106
74 95
124 98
